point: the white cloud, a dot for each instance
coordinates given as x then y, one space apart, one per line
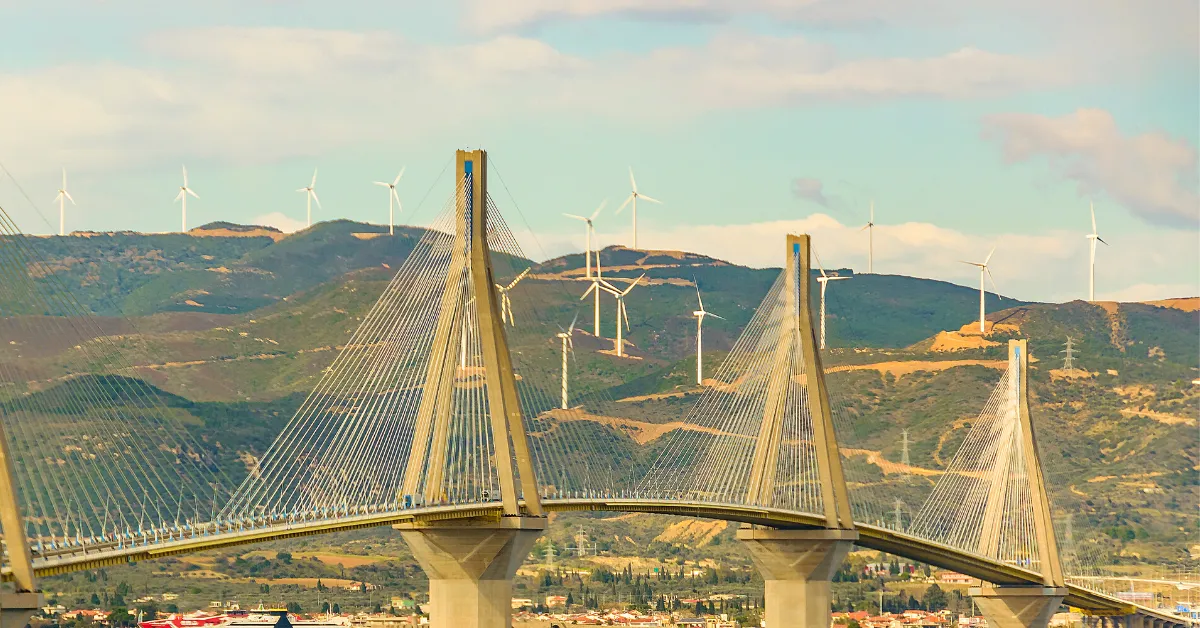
246 95
1152 174
1048 266
280 221
810 189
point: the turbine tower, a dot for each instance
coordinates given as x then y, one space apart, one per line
622 313
700 314
62 198
1093 238
589 231
568 344
870 229
633 198
824 280
310 195
984 270
184 191
598 284
506 314
393 199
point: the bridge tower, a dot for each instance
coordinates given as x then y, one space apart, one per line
471 564
1022 606
18 605
798 565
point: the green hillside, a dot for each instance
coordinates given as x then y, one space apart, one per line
1113 430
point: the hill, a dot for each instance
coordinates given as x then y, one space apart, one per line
904 355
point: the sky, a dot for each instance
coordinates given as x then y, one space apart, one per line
969 125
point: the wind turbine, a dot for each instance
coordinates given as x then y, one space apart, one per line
824 280
598 284
568 342
1092 237
633 197
870 229
64 196
984 270
700 314
589 229
506 314
310 193
622 313
184 190
392 198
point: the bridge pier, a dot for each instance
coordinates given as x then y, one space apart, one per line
797 567
1018 606
471 568
17 608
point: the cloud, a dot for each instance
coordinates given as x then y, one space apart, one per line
252 95
280 221
810 190
1047 266
1152 174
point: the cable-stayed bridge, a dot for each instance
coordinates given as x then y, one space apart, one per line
443 416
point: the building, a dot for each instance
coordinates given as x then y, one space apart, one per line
953 577
555 601
522 602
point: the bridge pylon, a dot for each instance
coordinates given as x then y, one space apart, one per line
471 564
798 566
1020 606
19 604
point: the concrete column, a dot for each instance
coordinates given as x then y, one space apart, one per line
1018 606
471 568
797 567
17 608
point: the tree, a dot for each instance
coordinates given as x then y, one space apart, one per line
294 607
149 610
95 600
570 599
934 598
120 617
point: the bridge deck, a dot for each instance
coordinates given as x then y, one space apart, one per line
873 537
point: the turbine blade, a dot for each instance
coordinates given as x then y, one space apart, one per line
571 329
68 195
635 282
714 315
383 184
819 266
1093 207
865 227
625 314
314 179
989 257
189 191
588 291
995 289
647 198
314 195
622 207
180 194
698 299
184 176
1097 237
594 214
576 217
631 181
402 169
302 190
397 197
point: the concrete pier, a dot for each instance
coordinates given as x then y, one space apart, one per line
17 608
1018 606
797 567
471 568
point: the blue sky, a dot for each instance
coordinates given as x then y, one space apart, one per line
971 125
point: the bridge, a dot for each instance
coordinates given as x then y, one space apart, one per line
442 417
